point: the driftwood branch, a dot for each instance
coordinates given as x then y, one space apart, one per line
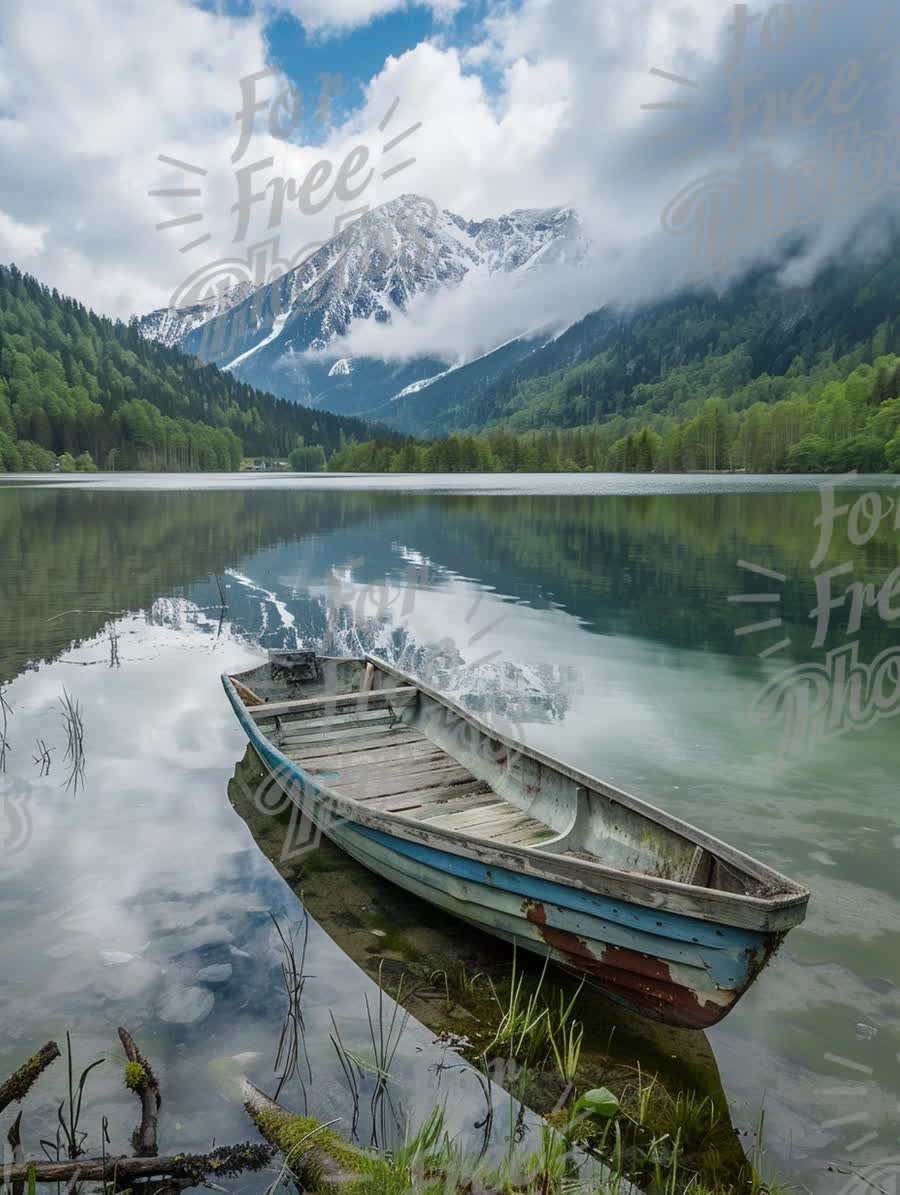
142 1081
19 1084
225 1162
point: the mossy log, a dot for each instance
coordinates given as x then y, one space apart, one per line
320 1160
19 1084
140 1079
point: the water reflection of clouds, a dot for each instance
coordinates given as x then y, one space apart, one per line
145 902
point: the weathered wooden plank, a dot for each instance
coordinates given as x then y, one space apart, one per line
364 730
480 797
698 859
498 830
437 775
398 741
529 836
377 699
505 833
426 762
431 796
522 818
494 804
418 783
301 749
371 754
246 694
407 804
467 821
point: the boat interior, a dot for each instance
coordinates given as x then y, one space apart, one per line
370 734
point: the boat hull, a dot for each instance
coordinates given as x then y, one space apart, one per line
645 959
684 971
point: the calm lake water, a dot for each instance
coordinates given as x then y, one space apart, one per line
591 616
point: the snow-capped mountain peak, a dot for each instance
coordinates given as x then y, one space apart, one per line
372 270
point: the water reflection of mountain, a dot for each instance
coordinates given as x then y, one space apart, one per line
660 567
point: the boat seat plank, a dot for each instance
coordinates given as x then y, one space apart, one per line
309 725
374 699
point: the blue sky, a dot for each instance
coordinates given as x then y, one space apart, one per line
348 59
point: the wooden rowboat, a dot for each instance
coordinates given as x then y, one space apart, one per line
657 914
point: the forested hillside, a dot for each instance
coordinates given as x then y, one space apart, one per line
664 357
84 388
763 379
843 416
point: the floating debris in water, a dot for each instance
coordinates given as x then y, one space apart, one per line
866 1032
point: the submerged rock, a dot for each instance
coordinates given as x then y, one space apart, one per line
187 1006
218 973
